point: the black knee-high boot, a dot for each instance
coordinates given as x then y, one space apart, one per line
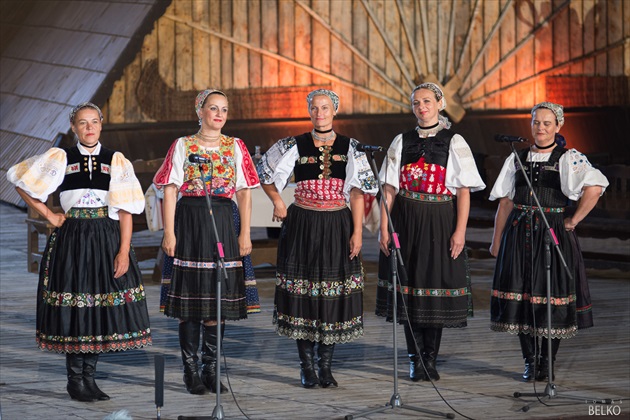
307 359
76 385
189 343
209 358
414 349
530 355
89 369
432 338
325 353
543 371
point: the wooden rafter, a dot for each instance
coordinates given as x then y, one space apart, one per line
425 36
471 26
412 45
521 44
388 43
451 40
279 57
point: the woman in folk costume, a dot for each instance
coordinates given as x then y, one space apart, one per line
424 171
90 298
319 276
519 290
189 238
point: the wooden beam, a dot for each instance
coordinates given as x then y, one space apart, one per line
451 40
471 25
425 36
412 45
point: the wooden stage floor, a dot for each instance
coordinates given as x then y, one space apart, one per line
480 369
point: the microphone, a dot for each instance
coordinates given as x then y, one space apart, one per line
502 138
195 158
368 148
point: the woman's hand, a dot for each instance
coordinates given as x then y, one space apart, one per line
569 224
494 249
121 264
244 244
457 243
356 242
279 211
383 241
168 244
56 219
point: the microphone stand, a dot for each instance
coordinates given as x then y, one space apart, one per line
395 258
550 238
217 413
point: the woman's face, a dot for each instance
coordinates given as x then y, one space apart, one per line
87 126
214 112
544 126
425 107
322 112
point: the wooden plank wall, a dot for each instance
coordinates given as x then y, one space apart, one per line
372 52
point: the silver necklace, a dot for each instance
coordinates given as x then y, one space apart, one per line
329 137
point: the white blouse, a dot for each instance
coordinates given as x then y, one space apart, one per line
576 172
461 170
41 175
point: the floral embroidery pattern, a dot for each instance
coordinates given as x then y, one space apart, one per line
88 300
329 289
94 344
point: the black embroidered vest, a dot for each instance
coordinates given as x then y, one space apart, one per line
317 162
78 172
434 149
545 178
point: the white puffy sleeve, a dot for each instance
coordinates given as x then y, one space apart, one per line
390 171
358 172
125 192
504 185
576 172
461 169
276 165
41 175
172 169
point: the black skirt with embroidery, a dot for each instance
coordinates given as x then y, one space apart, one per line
436 290
81 307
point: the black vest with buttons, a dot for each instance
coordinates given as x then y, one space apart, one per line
434 149
545 179
324 165
76 180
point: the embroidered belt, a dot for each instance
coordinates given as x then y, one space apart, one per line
322 205
435 198
87 213
534 208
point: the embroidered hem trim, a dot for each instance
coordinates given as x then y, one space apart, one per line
534 208
435 198
323 205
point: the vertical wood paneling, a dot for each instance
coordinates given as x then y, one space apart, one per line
116 109
588 7
239 32
286 41
254 38
359 68
216 73
476 41
376 54
340 56
227 57
394 33
320 39
201 46
491 56
406 51
615 33
601 34
561 43
419 38
626 34
302 46
183 46
131 77
576 33
543 44
463 16
166 50
507 74
525 57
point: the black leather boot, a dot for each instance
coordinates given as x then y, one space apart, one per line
416 371
528 348
76 386
543 372
307 368
189 343
432 338
209 358
89 369
325 353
